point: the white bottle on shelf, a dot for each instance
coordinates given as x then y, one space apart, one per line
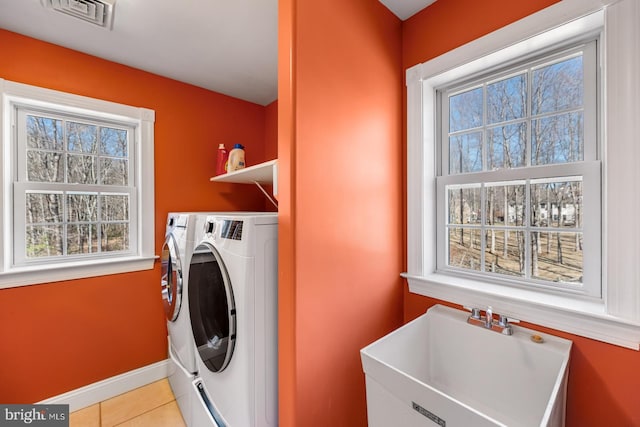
236 158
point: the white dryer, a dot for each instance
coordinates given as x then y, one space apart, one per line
233 313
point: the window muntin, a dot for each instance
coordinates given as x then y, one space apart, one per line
73 192
503 221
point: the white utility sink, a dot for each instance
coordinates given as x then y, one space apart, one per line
440 370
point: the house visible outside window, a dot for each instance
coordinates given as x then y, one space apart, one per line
520 174
77 186
522 171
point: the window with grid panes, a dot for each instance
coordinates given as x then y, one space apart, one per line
509 205
77 186
74 189
520 173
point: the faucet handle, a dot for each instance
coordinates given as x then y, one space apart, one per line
505 321
475 312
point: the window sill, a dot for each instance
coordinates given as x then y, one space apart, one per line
584 318
73 270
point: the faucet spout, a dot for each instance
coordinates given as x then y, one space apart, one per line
488 320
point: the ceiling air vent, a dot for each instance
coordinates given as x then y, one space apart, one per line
98 12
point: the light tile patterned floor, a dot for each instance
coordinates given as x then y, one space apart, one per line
150 406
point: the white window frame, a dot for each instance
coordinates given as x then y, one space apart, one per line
615 318
141 254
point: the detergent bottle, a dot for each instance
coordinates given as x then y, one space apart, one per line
236 158
221 160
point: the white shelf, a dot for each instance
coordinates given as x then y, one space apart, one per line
263 173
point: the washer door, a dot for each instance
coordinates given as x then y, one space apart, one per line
212 308
171 280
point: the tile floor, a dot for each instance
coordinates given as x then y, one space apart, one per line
150 406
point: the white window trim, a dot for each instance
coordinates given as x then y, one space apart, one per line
615 319
12 92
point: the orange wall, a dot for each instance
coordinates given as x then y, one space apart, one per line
271 131
603 379
60 336
271 148
448 24
341 208
287 328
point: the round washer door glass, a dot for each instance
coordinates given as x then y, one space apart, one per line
171 279
212 308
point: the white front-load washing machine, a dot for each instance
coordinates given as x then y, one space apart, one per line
175 258
182 367
233 313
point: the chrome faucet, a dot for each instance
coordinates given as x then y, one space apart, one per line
501 325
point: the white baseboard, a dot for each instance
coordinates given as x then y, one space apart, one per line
110 387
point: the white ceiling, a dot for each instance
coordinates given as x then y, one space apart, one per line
404 9
227 46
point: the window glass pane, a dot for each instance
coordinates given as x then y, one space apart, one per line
82 207
558 139
47 234
44 133
465 110
45 211
113 142
44 240
464 205
556 257
507 147
504 252
507 99
556 203
82 169
82 137
558 86
114 237
505 204
114 171
464 248
465 153
114 208
82 239
43 208
45 166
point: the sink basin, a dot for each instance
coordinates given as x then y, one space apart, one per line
439 369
